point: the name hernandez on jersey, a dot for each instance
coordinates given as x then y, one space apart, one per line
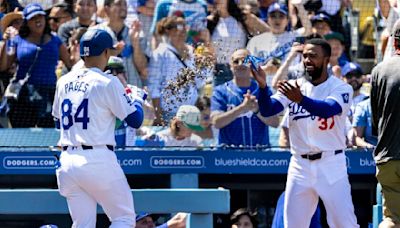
309 133
86 104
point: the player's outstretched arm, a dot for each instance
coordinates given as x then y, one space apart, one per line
268 106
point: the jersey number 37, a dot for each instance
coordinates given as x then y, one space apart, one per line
81 115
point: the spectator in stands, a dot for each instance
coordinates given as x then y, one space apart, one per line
145 13
180 130
37 54
234 108
59 14
338 58
11 22
230 29
362 125
194 12
170 67
8 6
84 10
74 49
203 103
144 220
133 46
273 46
353 75
244 218
321 24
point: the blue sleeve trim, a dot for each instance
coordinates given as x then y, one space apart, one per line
268 106
135 119
324 109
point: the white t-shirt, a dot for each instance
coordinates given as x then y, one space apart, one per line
169 140
264 44
228 36
314 134
87 102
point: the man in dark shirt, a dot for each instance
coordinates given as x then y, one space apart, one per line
85 10
385 94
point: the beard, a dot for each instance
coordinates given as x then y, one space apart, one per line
313 75
356 85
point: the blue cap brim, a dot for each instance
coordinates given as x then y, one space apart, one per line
279 10
34 14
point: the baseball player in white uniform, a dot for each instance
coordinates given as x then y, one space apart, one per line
86 105
318 104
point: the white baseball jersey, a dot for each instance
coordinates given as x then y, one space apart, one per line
310 133
87 102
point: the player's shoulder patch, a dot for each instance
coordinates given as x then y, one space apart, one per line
345 97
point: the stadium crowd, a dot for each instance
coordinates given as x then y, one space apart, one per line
186 53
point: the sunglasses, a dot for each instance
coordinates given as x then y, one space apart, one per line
277 16
351 75
238 61
179 27
56 19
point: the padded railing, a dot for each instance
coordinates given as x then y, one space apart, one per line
200 203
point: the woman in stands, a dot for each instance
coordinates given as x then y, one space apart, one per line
37 52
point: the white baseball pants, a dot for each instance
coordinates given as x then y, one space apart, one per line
326 178
88 177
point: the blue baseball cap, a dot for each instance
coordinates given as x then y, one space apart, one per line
94 42
278 7
49 226
323 17
351 67
141 215
32 10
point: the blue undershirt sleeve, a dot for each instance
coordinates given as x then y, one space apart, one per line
268 106
325 109
135 119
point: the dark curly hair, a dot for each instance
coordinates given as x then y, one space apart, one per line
244 212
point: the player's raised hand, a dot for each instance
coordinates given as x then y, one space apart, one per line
259 76
134 31
292 92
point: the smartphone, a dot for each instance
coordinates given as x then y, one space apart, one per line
300 39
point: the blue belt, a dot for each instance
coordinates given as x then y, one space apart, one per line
317 156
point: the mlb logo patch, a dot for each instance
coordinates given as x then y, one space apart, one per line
345 97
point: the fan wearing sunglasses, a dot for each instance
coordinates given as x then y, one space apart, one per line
234 108
58 15
354 76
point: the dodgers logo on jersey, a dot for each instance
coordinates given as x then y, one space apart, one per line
299 112
345 97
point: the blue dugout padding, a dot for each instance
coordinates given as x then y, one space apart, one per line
200 203
377 212
183 164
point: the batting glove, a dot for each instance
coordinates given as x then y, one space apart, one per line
136 94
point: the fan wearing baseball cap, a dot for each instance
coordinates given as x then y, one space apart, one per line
181 128
274 45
